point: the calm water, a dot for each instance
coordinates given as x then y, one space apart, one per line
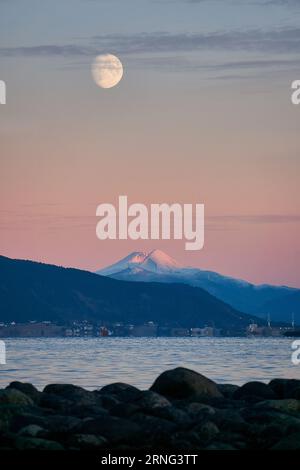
94 362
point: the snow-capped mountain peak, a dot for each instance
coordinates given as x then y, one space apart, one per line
156 261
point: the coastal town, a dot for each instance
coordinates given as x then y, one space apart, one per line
148 329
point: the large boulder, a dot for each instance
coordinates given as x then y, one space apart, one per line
14 397
254 390
26 388
182 383
284 388
228 390
122 391
71 392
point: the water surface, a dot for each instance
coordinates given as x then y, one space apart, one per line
94 362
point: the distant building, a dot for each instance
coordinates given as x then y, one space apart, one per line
149 329
179 332
206 331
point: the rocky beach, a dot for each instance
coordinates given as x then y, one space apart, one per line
183 410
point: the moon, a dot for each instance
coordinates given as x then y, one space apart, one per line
107 70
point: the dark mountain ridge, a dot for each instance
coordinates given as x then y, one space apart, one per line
40 292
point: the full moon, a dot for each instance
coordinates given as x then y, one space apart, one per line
107 70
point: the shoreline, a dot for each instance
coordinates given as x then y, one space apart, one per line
182 410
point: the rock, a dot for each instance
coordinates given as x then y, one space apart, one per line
124 410
230 420
30 443
87 441
82 411
296 393
228 390
288 405
153 426
61 424
123 391
291 442
284 388
109 401
149 400
7 415
26 388
112 428
71 393
32 430
195 409
207 431
220 446
260 416
254 389
21 420
14 397
55 402
183 383
170 413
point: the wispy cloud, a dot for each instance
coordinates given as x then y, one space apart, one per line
256 219
277 41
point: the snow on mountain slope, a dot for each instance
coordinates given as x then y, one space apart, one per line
155 261
157 266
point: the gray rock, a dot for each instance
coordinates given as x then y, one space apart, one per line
55 402
220 446
255 389
30 443
109 401
87 441
228 390
296 393
7 415
288 405
184 383
199 409
14 397
72 393
122 391
149 400
23 419
284 388
32 430
26 388
207 431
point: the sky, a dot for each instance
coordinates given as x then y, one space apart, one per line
203 114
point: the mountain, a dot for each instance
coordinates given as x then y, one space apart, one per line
36 291
259 300
279 305
156 262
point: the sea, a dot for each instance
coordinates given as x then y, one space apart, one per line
95 362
